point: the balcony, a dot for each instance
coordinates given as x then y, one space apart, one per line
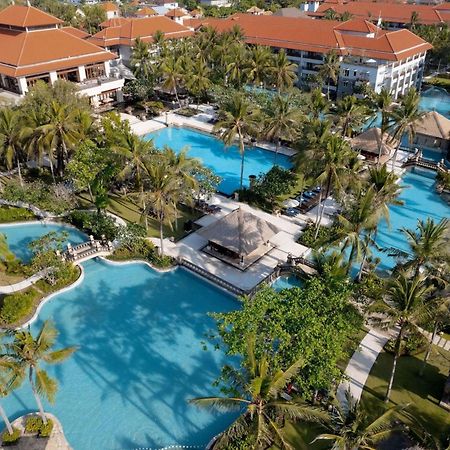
99 85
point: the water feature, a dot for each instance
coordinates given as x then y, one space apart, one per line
140 356
436 99
224 161
288 281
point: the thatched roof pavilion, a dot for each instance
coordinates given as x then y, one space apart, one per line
369 141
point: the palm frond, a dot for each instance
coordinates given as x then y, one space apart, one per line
220 403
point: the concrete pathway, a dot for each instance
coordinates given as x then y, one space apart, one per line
360 365
11 288
438 340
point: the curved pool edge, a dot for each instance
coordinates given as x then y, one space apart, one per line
137 261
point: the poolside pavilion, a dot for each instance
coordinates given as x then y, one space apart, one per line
240 238
368 144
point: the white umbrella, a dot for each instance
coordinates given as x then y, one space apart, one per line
291 203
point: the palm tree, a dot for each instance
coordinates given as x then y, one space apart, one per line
236 58
283 71
258 65
28 352
60 132
330 14
317 104
353 428
330 264
11 377
199 79
404 117
329 70
172 74
238 117
10 125
383 104
351 115
258 395
283 120
404 305
427 245
140 59
357 224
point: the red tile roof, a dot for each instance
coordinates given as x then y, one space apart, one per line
114 22
322 36
146 11
76 32
389 12
357 25
109 6
26 16
144 29
176 12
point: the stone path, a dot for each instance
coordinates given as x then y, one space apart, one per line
360 365
9 289
438 340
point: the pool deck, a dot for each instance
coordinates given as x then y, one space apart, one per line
283 243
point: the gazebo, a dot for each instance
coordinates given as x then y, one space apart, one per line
240 238
368 144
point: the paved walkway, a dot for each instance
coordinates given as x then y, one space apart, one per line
9 289
438 340
360 365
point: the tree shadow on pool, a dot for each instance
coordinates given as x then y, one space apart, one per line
143 343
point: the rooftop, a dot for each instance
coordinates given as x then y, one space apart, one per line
109 6
433 124
324 35
370 140
26 16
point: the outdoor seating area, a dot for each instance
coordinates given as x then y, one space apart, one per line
204 206
302 203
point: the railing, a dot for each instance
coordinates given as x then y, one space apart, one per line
425 163
87 250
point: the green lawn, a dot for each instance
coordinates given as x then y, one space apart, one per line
423 393
130 212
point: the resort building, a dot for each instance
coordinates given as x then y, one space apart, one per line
432 132
111 9
34 46
393 15
146 12
119 39
392 60
218 3
372 145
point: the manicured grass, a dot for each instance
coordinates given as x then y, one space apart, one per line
11 214
351 347
130 212
422 393
301 436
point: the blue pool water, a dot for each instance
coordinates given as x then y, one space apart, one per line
19 236
436 99
140 359
420 201
224 161
286 282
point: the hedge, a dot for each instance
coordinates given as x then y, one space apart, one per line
18 305
12 214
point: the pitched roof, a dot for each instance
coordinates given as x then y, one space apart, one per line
433 124
369 141
76 32
146 11
27 53
321 36
388 11
109 6
114 22
176 12
290 12
143 28
26 16
357 25
240 231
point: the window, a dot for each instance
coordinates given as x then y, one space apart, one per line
95 71
354 73
346 73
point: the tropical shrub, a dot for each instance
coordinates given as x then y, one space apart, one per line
11 439
17 306
11 214
325 236
46 429
187 112
94 223
412 343
33 424
55 197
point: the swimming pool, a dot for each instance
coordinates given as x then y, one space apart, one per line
436 99
140 358
420 201
224 161
287 282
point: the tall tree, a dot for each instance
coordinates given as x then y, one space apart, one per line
172 74
283 71
282 121
257 392
258 65
382 103
28 352
10 138
199 79
238 118
404 305
329 70
351 115
140 60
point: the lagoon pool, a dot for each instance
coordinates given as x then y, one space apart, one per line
436 99
287 282
224 161
140 335
420 201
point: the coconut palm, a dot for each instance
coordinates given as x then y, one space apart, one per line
283 121
238 118
351 115
354 428
258 65
60 133
329 70
10 143
357 224
404 305
382 103
258 395
404 117
330 264
172 74
28 352
199 80
316 104
283 72
331 14
236 59
140 59
428 244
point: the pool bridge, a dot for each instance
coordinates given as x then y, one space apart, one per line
87 250
419 161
